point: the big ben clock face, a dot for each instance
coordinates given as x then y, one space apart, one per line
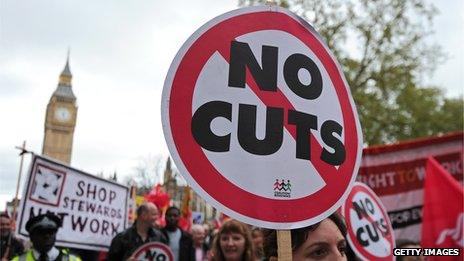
62 114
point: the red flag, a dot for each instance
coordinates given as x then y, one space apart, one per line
443 212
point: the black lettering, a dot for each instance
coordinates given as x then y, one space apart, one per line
102 196
65 202
105 226
383 227
360 209
241 57
112 196
304 124
94 226
62 215
373 237
81 205
32 212
91 207
80 186
150 254
201 125
359 236
73 201
114 228
112 213
105 211
338 156
161 257
78 223
247 130
369 205
292 66
90 191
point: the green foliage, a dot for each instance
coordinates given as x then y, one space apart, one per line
383 51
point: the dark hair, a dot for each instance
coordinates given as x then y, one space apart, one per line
4 214
298 235
173 208
401 242
233 226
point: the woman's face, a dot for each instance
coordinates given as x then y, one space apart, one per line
326 242
232 246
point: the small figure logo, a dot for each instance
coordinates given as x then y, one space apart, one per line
282 189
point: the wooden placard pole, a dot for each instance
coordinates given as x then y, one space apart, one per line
15 202
284 245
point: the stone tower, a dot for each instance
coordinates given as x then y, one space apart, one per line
60 119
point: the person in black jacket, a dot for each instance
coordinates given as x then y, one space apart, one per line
125 243
10 245
180 242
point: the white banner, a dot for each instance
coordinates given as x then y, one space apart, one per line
396 174
93 209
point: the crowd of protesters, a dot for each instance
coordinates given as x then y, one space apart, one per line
232 241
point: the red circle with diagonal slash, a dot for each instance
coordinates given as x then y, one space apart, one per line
351 235
155 247
215 36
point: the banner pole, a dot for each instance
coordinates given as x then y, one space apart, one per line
284 245
15 201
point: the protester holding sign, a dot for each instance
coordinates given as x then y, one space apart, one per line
233 242
42 231
322 241
10 245
126 242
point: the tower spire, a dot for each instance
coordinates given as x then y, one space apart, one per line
66 76
64 89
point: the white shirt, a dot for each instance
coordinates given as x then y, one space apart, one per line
51 255
174 242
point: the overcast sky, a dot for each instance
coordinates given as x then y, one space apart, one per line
120 54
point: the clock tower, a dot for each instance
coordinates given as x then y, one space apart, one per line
60 119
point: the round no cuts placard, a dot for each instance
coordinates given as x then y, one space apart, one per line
260 121
153 251
370 233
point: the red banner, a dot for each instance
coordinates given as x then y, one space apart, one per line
443 212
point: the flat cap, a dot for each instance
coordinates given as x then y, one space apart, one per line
43 221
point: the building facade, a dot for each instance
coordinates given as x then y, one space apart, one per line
178 194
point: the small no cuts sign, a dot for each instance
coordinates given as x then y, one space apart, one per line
93 210
260 121
370 232
153 251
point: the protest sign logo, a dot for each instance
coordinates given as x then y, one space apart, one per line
259 119
47 185
370 233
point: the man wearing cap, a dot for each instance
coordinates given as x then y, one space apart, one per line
42 231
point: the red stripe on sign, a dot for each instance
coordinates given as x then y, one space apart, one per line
218 39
